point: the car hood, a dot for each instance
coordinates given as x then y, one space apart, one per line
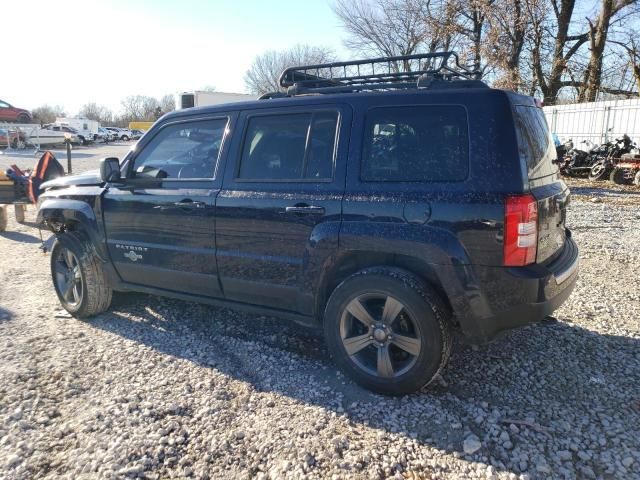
87 178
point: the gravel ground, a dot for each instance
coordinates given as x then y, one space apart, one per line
159 388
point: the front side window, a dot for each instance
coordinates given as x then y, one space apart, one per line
289 147
416 144
183 150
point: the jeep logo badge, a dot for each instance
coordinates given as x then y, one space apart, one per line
133 256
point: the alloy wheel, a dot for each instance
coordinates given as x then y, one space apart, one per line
68 277
380 335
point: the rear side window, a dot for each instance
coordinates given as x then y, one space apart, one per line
416 144
535 143
289 147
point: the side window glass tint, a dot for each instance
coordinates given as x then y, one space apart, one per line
535 143
289 147
184 150
416 144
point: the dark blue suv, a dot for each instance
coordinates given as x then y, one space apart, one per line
390 207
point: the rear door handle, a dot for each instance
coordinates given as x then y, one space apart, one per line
305 209
188 203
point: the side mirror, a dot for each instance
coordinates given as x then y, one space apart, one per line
110 169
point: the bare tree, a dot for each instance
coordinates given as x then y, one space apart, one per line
167 103
262 77
47 113
96 112
553 44
472 24
391 28
598 34
630 45
384 27
509 26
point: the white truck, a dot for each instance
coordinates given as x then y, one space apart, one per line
199 98
87 129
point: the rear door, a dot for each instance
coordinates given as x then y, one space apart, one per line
160 223
537 154
282 198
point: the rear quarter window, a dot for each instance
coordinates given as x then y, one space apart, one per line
535 142
416 144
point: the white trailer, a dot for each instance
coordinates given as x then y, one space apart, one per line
87 129
199 99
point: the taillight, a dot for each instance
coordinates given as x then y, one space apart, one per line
520 230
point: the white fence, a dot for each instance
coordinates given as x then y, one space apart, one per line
597 121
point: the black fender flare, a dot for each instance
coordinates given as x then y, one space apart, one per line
66 211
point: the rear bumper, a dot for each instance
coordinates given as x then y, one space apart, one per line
516 297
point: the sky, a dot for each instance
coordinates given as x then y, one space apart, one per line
70 52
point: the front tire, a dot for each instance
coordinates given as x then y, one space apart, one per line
125 138
78 278
387 330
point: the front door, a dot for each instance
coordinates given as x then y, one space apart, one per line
160 222
281 198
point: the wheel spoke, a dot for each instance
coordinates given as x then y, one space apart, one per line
354 344
385 368
76 293
68 259
76 274
61 268
358 311
68 290
408 344
392 309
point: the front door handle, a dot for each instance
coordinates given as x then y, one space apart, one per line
305 209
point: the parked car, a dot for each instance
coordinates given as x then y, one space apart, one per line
12 138
359 207
136 134
120 133
9 113
87 129
65 132
104 135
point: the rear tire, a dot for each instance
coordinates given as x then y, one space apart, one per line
22 118
78 278
618 176
599 171
387 330
125 138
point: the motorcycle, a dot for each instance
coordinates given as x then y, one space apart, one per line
605 159
578 160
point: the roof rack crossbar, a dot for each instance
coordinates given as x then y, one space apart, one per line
401 71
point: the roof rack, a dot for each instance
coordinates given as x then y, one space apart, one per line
385 73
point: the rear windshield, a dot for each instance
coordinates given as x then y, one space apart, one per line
535 143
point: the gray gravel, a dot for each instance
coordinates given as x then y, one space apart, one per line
160 388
